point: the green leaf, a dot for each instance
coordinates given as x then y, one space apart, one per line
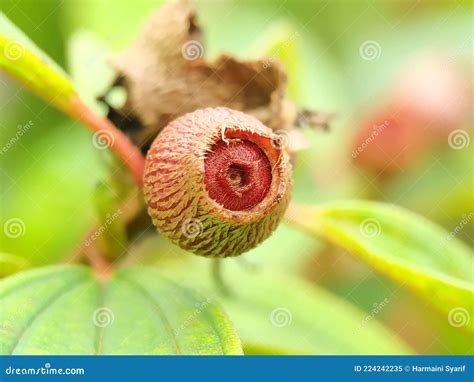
10 264
89 66
20 58
50 196
61 171
403 246
447 198
66 310
276 313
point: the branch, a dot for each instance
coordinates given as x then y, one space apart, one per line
119 142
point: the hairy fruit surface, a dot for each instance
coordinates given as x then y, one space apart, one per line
216 182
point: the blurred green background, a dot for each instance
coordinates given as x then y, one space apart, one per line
358 59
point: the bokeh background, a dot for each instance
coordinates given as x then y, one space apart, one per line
406 64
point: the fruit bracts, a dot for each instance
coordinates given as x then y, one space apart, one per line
216 182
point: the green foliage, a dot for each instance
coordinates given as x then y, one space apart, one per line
21 59
10 264
405 247
88 65
66 310
64 151
52 310
276 313
72 154
45 201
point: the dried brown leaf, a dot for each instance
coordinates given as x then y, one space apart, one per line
165 76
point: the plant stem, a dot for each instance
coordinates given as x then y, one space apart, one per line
102 267
218 279
119 142
130 156
130 209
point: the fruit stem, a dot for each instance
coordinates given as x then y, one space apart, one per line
102 267
218 279
130 208
119 142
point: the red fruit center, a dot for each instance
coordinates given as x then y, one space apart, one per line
237 174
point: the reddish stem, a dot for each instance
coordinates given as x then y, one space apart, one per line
102 267
125 150
120 144
130 209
